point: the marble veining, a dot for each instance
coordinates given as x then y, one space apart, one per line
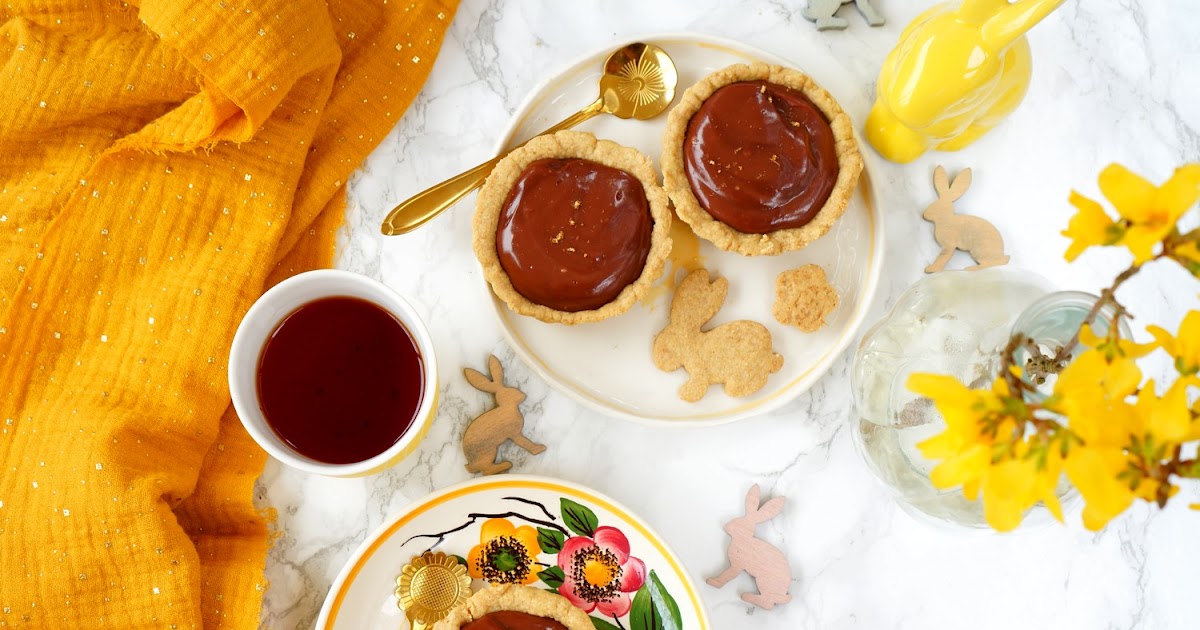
1111 81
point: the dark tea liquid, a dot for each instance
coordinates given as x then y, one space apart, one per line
340 380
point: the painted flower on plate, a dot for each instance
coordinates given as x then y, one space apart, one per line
599 572
505 554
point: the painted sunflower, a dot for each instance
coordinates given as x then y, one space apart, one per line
506 554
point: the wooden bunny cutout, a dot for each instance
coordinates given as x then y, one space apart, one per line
765 563
485 434
953 231
737 354
822 12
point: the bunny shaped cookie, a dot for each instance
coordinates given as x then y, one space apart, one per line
953 231
737 354
486 433
766 564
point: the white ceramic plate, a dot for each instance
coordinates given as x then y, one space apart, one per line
607 365
363 596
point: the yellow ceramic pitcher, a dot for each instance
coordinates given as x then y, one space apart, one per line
958 70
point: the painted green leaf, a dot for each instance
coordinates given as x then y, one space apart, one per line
461 560
579 519
550 540
665 604
601 624
654 608
642 615
553 576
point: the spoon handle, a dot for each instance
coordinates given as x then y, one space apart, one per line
424 206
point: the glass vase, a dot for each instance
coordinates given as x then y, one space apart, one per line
956 323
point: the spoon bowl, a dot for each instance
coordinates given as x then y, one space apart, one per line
639 82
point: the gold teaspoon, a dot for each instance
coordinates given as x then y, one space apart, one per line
639 82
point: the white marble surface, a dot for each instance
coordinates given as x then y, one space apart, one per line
1112 81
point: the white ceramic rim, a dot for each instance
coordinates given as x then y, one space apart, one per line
246 350
764 406
356 558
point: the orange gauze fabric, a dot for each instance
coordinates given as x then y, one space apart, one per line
160 165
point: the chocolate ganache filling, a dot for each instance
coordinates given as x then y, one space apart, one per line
573 234
513 620
760 157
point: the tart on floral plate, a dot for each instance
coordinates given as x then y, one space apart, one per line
541 533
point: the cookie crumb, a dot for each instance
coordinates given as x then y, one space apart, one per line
804 298
576 206
557 237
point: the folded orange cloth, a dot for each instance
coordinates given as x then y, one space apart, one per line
159 166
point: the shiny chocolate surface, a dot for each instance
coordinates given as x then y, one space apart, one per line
760 157
573 233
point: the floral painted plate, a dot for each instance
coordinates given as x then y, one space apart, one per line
540 532
607 365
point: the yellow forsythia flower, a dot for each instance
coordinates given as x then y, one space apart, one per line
1188 255
1122 348
1091 392
1151 210
1168 419
1009 486
1093 471
1185 348
1012 486
962 447
1090 226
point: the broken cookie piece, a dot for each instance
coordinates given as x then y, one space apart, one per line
804 298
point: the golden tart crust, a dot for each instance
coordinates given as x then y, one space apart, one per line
526 599
569 144
718 233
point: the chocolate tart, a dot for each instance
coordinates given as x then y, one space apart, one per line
759 159
514 607
570 229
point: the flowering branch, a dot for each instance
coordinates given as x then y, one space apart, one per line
1114 436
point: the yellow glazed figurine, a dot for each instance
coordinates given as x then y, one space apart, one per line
957 71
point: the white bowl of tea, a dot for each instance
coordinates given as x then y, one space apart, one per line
333 373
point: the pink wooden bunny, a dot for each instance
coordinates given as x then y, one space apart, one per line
766 564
